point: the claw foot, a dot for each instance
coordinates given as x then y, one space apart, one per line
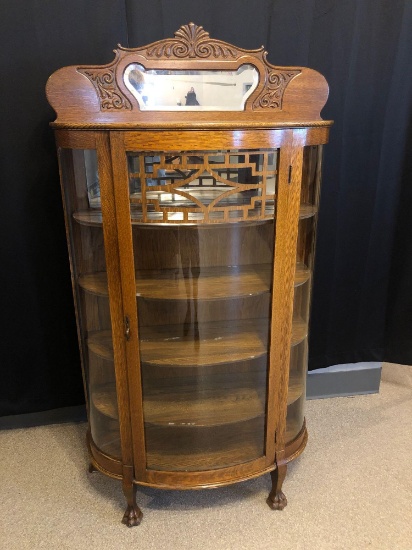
278 502
132 516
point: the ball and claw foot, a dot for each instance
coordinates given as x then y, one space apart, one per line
132 516
278 502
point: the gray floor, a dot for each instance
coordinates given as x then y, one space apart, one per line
351 489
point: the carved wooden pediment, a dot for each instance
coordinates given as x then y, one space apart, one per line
191 41
278 92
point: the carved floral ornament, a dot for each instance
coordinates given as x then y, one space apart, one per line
190 42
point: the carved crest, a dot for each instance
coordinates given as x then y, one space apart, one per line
104 81
191 41
272 94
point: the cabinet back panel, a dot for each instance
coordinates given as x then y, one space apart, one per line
172 247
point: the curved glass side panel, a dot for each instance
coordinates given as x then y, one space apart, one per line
303 287
82 203
184 90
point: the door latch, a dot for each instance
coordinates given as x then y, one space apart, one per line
290 174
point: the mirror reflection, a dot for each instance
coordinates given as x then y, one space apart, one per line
183 90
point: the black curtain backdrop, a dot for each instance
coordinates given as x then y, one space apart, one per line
362 303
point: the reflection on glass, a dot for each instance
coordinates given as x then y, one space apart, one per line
203 297
82 198
92 177
183 90
303 285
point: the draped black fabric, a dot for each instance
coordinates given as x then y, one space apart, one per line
362 303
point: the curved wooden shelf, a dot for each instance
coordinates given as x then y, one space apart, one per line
217 343
203 409
93 217
302 274
194 408
307 211
213 283
296 388
299 331
207 408
89 217
293 428
104 399
230 454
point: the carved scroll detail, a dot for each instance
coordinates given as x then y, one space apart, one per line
191 41
272 94
104 81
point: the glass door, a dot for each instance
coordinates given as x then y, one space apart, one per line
202 224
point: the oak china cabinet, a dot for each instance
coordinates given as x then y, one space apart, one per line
190 174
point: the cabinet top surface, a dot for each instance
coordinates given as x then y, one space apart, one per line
189 81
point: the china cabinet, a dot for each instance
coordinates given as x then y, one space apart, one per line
190 173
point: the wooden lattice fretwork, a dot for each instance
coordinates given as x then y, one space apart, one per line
203 186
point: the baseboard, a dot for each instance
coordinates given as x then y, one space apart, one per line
344 380
54 416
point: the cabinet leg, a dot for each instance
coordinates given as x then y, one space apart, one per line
276 499
133 515
92 468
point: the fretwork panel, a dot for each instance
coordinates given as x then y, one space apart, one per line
203 186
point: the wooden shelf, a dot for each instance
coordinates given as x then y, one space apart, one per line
307 211
218 343
226 453
93 217
188 459
293 427
299 331
296 388
302 274
202 409
195 407
229 453
89 217
214 283
185 458
171 284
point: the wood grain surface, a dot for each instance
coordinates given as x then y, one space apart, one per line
213 283
217 343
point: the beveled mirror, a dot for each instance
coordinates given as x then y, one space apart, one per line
189 90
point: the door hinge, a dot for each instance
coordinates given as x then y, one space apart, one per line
127 328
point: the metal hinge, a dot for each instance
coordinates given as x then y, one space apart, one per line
127 328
